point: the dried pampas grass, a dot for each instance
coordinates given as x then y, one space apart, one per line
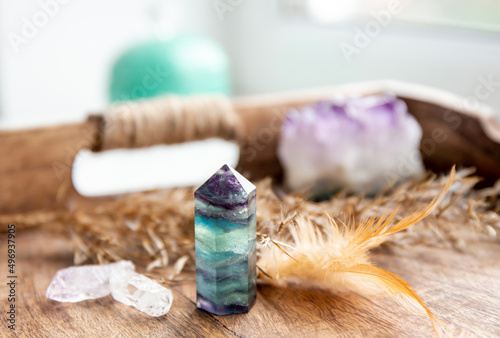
464 215
336 255
155 228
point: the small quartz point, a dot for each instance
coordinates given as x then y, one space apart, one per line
84 282
144 294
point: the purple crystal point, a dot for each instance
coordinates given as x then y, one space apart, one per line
225 233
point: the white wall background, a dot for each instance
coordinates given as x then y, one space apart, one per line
61 74
276 53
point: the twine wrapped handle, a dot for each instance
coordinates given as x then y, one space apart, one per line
166 120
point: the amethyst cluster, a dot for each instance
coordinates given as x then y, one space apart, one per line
358 144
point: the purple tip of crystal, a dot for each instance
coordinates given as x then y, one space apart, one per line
225 183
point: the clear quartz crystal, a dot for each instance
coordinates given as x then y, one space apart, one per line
144 294
78 283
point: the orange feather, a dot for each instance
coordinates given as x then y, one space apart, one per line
329 255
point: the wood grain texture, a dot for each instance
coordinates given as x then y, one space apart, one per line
451 137
36 166
462 289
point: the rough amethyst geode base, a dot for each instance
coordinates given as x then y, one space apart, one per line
355 144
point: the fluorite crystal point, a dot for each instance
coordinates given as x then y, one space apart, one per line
225 233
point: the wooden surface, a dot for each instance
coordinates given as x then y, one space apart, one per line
452 137
463 290
36 165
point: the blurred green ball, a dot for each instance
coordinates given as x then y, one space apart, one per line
182 65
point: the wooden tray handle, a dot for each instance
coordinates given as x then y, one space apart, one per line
165 120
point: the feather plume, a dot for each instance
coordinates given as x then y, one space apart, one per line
336 256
